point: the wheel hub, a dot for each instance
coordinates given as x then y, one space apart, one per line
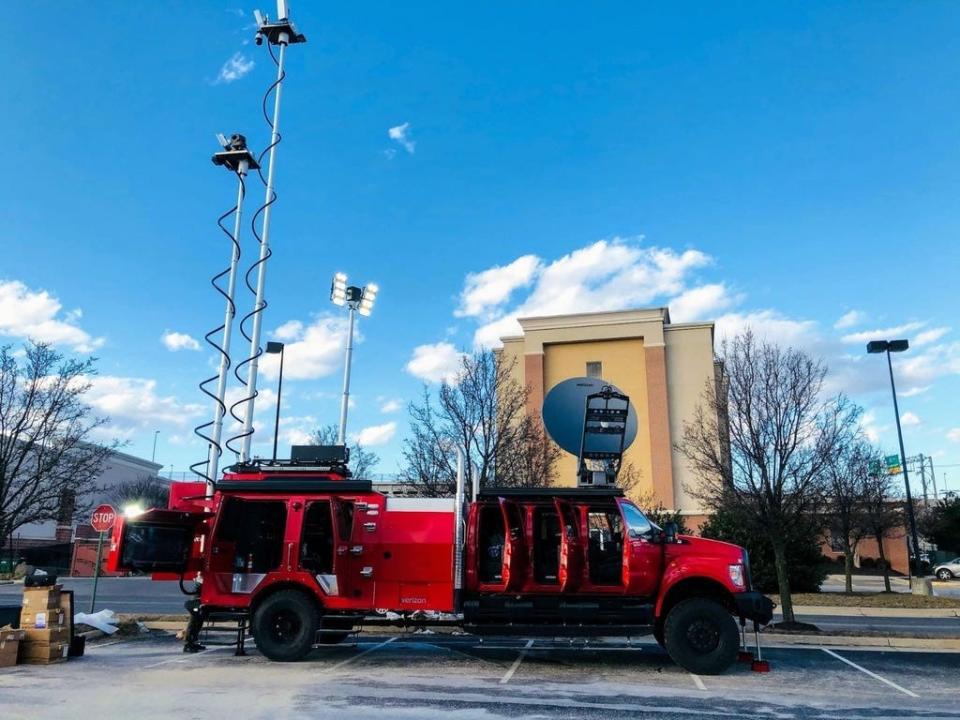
703 635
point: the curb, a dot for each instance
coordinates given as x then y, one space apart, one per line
884 643
840 611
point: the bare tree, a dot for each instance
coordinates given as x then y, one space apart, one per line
881 515
362 461
48 461
147 491
483 413
846 499
783 433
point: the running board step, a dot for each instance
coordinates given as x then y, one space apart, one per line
534 630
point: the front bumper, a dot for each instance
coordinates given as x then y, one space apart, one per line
754 606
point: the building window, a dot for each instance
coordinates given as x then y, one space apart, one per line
594 369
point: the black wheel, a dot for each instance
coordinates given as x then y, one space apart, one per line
285 625
334 623
701 636
944 574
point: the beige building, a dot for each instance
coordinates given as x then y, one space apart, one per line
663 368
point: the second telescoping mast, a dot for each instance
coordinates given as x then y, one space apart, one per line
280 33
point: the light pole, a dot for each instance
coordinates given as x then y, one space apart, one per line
358 300
153 455
273 348
892 346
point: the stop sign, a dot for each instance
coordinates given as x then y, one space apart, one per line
103 517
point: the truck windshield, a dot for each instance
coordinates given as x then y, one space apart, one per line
637 521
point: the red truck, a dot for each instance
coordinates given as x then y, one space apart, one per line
305 553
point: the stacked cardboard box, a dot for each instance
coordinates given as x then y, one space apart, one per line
46 621
10 645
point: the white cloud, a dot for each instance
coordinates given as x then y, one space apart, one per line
909 419
376 434
311 351
914 391
35 314
890 333
849 319
290 330
401 134
700 303
953 435
929 336
769 325
133 403
236 67
174 341
607 275
933 362
439 362
486 290
391 406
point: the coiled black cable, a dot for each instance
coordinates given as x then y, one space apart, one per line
200 430
260 261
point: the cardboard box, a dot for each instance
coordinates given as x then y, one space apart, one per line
66 606
41 598
43 618
9 646
47 636
42 653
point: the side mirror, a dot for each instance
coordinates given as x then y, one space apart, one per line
669 532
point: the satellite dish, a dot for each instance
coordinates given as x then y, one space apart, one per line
564 409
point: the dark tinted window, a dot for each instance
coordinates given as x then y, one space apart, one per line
156 547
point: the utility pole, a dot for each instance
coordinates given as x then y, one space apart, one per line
923 479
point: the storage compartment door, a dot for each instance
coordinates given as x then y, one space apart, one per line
571 549
515 556
157 541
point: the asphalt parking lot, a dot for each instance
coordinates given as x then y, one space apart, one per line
413 676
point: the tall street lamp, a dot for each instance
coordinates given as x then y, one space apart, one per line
273 348
892 346
358 300
153 455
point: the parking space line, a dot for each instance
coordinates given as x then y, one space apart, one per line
698 682
516 663
360 654
870 673
185 658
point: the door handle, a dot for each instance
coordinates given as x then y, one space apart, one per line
369 527
367 572
356 549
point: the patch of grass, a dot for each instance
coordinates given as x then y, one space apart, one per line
871 600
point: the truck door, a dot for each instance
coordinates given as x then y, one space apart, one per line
514 547
158 541
571 550
643 553
357 525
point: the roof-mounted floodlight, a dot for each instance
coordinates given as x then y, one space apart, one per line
338 289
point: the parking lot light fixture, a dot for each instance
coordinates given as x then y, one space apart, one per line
358 300
875 347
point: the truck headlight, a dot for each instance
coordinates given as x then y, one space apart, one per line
736 574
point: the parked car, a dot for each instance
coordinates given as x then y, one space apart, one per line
948 570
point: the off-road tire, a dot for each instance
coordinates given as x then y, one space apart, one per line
701 636
944 574
285 625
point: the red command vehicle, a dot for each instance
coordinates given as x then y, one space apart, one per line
306 553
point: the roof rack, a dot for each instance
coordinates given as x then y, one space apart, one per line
603 491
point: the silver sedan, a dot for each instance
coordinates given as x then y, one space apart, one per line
948 570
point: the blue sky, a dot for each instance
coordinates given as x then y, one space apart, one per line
793 167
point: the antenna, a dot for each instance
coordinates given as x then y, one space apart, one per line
591 419
280 33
